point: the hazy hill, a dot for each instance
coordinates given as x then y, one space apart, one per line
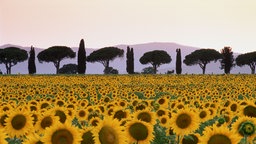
120 63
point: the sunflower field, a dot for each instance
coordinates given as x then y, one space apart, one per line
128 109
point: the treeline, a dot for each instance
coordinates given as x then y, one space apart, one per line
10 56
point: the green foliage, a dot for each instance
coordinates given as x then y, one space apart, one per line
160 136
68 69
56 54
247 59
202 57
155 58
148 70
110 70
81 58
10 56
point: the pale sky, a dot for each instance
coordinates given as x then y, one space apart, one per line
199 23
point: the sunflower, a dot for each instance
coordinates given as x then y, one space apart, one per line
184 122
164 121
234 106
204 115
245 126
62 134
61 112
249 110
160 112
3 136
60 103
44 105
120 113
47 119
87 136
81 114
94 121
219 135
146 115
18 123
139 132
163 102
109 131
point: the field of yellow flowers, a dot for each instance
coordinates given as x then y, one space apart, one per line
128 109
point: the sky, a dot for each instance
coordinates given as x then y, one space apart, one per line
101 23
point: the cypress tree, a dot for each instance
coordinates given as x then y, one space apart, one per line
81 59
31 61
128 60
132 61
227 61
178 61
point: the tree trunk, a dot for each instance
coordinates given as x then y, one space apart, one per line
57 65
204 67
253 70
8 68
154 68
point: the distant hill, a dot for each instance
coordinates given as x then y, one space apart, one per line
120 63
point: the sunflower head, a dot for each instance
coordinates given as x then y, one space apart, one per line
184 121
250 111
219 135
247 128
62 134
120 114
108 131
219 138
139 131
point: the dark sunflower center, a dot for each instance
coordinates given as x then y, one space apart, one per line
81 113
183 121
44 105
35 118
120 115
95 122
2 119
219 139
250 111
160 112
163 120
233 107
161 101
144 116
61 115
60 103
62 136
18 121
46 122
138 131
122 104
33 108
87 138
107 135
202 114
39 142
192 140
